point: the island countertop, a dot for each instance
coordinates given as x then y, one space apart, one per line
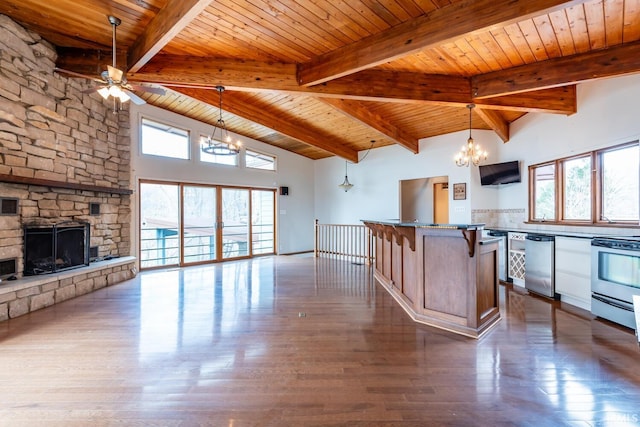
416 224
442 275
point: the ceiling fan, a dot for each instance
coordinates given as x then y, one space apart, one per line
113 82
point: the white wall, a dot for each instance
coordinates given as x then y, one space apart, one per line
375 194
295 211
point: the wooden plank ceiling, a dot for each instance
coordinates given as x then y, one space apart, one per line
326 77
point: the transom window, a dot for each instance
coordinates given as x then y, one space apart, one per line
159 139
256 160
599 187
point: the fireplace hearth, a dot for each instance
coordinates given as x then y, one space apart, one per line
50 249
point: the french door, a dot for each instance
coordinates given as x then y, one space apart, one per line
185 224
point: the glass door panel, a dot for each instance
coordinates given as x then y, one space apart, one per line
159 225
199 228
235 226
262 222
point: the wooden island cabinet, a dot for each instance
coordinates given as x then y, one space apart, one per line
444 276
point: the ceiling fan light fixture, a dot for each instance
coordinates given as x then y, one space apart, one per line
115 91
104 92
124 97
222 145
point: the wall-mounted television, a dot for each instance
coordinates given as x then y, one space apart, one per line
500 173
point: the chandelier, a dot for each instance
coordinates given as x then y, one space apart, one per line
222 146
472 152
346 185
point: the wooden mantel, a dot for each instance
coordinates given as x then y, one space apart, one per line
442 275
15 179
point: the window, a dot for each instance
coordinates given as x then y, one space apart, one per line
159 224
599 187
544 179
620 186
577 188
164 140
227 159
257 160
183 224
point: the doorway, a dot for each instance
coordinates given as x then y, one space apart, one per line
419 203
441 203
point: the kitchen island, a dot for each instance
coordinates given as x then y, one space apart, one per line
442 275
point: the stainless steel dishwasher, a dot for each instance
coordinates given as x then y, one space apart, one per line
539 276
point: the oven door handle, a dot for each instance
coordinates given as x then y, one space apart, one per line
610 302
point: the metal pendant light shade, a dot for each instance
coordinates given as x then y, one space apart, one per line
346 185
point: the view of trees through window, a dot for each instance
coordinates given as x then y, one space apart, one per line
620 184
199 240
616 198
545 193
159 224
577 188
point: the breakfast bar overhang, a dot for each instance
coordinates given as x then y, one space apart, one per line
442 275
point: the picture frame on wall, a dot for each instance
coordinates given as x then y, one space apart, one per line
460 191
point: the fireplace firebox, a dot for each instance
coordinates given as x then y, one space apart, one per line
50 249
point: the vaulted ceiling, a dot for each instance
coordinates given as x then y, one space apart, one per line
328 77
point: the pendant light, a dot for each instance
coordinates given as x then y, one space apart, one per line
471 152
346 185
223 145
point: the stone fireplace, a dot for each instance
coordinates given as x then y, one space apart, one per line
60 247
62 154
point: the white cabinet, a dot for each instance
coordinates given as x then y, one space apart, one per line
573 271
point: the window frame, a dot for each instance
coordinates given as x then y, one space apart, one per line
596 217
251 150
169 126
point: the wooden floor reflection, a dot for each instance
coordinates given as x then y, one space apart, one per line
292 341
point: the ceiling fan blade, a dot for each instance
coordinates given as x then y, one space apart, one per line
114 73
134 98
74 74
145 88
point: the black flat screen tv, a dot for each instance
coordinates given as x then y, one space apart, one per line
500 173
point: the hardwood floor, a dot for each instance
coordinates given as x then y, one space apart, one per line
292 341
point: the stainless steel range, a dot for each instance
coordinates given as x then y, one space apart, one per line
615 278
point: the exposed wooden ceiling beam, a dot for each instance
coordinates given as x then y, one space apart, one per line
368 85
87 61
171 19
276 121
495 122
614 61
360 112
561 100
447 23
